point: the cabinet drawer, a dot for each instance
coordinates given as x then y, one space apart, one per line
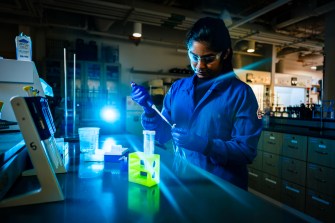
271 164
271 186
321 151
320 206
295 146
260 141
321 178
294 170
272 142
293 195
258 161
255 179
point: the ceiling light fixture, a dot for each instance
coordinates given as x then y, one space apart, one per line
251 46
137 30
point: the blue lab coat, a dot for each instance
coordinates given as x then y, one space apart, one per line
226 114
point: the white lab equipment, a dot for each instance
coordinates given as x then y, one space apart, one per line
149 142
37 127
14 75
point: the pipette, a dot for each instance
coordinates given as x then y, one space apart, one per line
159 113
153 106
178 150
29 90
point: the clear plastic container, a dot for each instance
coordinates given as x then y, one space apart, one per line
149 142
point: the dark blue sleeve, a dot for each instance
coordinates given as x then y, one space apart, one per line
156 123
247 127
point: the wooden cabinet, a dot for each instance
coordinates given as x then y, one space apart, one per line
100 88
321 179
272 142
320 206
298 171
258 161
255 178
293 195
294 170
295 146
321 151
272 164
96 87
255 173
271 186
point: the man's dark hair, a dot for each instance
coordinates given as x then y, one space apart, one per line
215 34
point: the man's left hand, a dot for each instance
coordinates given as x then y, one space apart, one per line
183 138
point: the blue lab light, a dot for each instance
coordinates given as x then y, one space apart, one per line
109 114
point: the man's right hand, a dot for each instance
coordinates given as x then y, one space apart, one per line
141 96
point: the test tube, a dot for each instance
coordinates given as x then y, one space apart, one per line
149 142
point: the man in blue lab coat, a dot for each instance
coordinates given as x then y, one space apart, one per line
215 113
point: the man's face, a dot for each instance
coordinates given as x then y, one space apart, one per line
205 63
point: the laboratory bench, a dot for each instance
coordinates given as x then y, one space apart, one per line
97 191
321 128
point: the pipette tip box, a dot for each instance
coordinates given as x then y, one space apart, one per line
115 154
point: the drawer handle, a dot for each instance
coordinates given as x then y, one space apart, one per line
292 189
322 146
253 174
292 147
269 164
271 143
320 180
294 141
271 181
292 171
320 200
321 152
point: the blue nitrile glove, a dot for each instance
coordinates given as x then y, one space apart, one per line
183 138
141 96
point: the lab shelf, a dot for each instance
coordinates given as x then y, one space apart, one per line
97 85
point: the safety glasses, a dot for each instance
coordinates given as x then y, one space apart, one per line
206 59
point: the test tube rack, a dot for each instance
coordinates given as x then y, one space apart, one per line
37 127
144 168
145 200
62 167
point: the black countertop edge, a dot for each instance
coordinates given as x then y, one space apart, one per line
321 128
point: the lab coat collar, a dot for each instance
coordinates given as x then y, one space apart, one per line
218 83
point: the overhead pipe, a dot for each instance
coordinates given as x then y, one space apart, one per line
140 14
122 37
319 11
258 13
5 8
102 9
32 9
161 43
